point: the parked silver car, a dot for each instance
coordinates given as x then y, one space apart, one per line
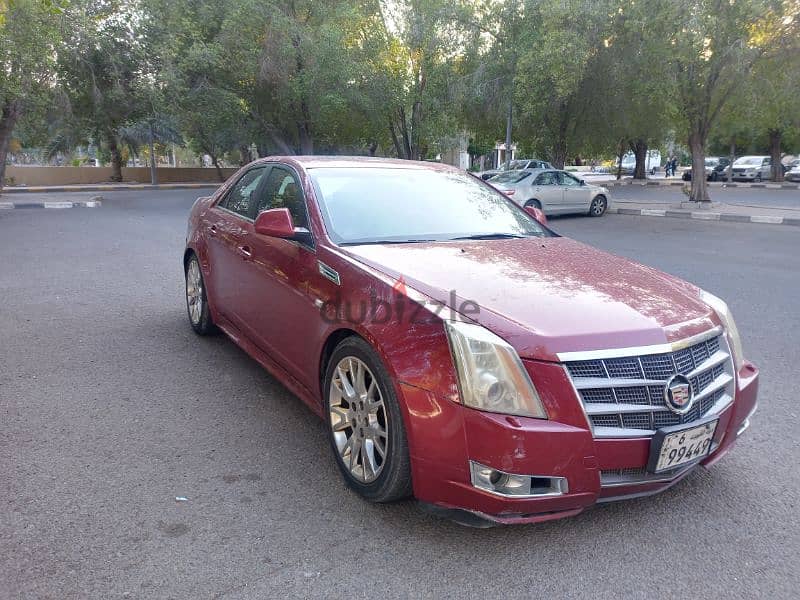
555 192
752 168
515 165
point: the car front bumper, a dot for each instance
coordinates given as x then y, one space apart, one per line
444 437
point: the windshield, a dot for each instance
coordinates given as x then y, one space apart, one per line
748 160
385 205
712 162
510 177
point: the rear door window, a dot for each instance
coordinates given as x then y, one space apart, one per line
238 198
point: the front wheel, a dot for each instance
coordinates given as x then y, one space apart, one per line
598 206
365 424
758 178
534 204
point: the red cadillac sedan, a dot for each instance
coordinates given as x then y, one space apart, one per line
458 350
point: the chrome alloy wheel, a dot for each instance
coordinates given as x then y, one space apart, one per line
194 292
598 206
358 418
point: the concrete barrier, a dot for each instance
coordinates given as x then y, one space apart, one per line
54 176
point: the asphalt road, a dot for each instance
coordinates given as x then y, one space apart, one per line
110 407
771 198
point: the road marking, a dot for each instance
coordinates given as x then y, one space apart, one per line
58 205
653 212
766 219
705 216
6 205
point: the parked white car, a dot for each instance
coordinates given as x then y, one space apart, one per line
752 168
651 163
555 192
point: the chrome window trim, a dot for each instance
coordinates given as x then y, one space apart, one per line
639 350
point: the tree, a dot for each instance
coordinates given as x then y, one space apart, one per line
99 66
713 45
29 34
555 64
631 85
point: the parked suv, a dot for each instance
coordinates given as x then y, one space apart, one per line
752 168
715 169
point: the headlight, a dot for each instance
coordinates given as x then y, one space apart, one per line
724 314
490 373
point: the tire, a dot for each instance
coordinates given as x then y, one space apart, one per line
714 176
362 420
196 299
758 178
598 206
534 204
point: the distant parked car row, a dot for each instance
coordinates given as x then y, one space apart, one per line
745 168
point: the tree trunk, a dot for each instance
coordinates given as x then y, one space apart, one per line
620 155
116 159
8 119
699 189
508 131
416 120
244 155
732 158
153 165
639 148
373 148
775 136
215 162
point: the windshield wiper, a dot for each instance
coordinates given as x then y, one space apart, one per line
489 236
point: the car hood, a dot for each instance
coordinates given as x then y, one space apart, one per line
548 295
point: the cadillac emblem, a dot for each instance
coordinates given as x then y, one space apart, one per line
678 394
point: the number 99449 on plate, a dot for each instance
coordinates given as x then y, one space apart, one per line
673 447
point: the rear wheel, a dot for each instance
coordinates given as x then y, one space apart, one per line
598 206
196 299
365 425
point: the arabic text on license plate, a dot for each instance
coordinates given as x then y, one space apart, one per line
685 446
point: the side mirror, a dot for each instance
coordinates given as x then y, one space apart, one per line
537 213
276 222
583 182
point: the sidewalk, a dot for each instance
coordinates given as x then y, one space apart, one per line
712 184
106 187
717 211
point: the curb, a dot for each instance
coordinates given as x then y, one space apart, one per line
108 188
706 216
93 203
715 184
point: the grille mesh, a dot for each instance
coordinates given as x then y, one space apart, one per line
655 368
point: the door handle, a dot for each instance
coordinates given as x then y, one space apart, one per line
212 229
245 251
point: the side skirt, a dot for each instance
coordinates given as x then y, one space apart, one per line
272 367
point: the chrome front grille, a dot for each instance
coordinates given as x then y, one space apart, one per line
623 395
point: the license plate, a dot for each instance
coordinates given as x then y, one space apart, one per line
671 448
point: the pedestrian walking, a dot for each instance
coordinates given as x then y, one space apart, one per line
674 166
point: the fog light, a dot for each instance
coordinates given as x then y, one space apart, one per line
509 484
